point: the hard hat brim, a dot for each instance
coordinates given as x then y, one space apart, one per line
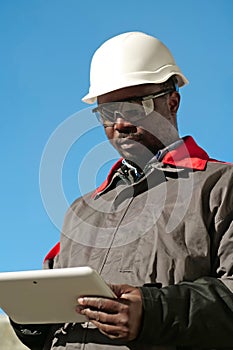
134 79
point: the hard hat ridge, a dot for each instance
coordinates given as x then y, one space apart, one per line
128 59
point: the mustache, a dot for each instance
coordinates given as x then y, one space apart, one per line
130 136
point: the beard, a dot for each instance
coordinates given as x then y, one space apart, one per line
133 150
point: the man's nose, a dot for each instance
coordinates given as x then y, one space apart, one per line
123 125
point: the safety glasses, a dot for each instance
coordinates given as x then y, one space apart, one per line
132 110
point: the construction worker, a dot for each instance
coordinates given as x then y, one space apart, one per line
159 229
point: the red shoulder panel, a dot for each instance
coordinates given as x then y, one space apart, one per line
53 252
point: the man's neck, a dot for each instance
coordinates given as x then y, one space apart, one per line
158 156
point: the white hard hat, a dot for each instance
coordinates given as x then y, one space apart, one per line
129 59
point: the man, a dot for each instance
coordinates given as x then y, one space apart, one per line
159 229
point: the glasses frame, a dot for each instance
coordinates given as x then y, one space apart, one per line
97 110
151 96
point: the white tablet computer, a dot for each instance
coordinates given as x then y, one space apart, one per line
49 296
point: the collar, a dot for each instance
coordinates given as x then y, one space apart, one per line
114 168
161 153
187 154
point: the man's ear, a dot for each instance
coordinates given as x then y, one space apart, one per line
174 102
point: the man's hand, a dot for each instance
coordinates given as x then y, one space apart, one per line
119 318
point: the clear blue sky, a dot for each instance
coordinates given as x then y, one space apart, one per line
45 52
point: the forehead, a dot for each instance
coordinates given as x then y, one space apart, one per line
129 92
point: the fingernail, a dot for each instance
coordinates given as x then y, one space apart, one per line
80 300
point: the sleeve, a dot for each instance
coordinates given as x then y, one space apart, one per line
34 336
198 313
51 256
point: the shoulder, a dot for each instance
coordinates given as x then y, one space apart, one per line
219 168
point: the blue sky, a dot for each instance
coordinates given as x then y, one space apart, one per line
45 52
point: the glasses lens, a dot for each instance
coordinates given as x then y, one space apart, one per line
132 111
108 113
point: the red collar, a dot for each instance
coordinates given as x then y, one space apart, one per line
114 168
187 155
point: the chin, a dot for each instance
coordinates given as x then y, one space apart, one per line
139 159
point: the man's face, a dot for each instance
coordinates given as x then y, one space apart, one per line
139 141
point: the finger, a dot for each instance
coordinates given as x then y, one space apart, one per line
111 331
102 317
111 336
79 308
108 305
120 289
94 315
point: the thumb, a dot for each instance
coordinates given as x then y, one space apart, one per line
121 289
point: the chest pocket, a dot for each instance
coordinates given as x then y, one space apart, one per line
135 262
